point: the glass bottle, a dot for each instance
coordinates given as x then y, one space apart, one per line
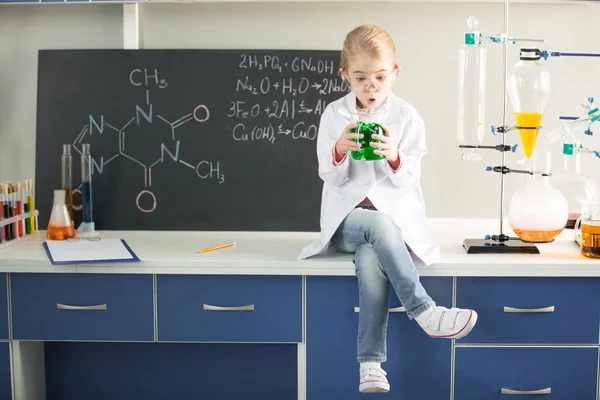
529 88
538 212
60 226
67 178
86 181
575 186
368 123
471 90
569 130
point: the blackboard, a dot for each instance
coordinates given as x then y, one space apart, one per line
187 139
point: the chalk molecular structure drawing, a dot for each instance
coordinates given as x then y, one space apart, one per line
141 77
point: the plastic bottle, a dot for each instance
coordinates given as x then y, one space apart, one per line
572 128
529 88
472 59
60 226
67 178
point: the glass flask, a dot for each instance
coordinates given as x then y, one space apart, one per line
529 88
471 90
574 185
67 177
368 123
572 128
60 226
587 228
538 212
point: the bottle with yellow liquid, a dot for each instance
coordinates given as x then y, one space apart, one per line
529 88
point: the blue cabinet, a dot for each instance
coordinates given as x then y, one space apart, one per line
82 307
229 308
418 366
493 373
532 310
5 375
177 371
3 307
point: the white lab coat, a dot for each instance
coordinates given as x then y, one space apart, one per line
397 194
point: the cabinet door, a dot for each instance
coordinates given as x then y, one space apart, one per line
557 373
331 336
5 377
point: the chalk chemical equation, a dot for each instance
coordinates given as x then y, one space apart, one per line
292 106
147 78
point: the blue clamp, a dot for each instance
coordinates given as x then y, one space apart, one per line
597 153
488 237
489 168
589 132
544 54
514 148
494 130
591 100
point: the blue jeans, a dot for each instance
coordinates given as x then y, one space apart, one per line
381 256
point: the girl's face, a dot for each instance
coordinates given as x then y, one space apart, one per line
370 79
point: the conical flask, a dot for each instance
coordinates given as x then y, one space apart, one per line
529 88
60 226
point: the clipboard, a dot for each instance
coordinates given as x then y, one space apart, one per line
83 251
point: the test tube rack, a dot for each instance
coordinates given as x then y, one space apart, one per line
16 221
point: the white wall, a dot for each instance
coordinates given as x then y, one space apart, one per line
427 35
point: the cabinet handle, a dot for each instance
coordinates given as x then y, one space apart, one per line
529 310
81 308
541 391
208 307
395 309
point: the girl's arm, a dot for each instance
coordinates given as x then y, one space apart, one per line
333 173
412 148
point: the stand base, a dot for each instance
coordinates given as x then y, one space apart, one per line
87 229
490 246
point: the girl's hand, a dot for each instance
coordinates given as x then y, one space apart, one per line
348 141
386 147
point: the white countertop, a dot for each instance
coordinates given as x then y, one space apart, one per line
260 253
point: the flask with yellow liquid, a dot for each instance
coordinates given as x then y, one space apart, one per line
529 88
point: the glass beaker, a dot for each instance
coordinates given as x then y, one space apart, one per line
587 228
60 226
368 123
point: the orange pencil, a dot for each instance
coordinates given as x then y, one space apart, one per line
222 246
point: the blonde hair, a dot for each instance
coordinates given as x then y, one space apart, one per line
372 40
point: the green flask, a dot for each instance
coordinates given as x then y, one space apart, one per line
367 126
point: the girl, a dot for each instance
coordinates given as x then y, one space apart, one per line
375 209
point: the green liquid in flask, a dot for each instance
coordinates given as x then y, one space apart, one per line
366 152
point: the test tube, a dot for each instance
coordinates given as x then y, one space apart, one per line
86 180
67 178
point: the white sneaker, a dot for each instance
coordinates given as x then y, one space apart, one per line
372 379
453 323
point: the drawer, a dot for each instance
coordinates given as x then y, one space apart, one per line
3 307
532 310
82 307
229 308
497 373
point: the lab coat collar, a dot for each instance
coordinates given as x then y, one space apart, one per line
392 102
